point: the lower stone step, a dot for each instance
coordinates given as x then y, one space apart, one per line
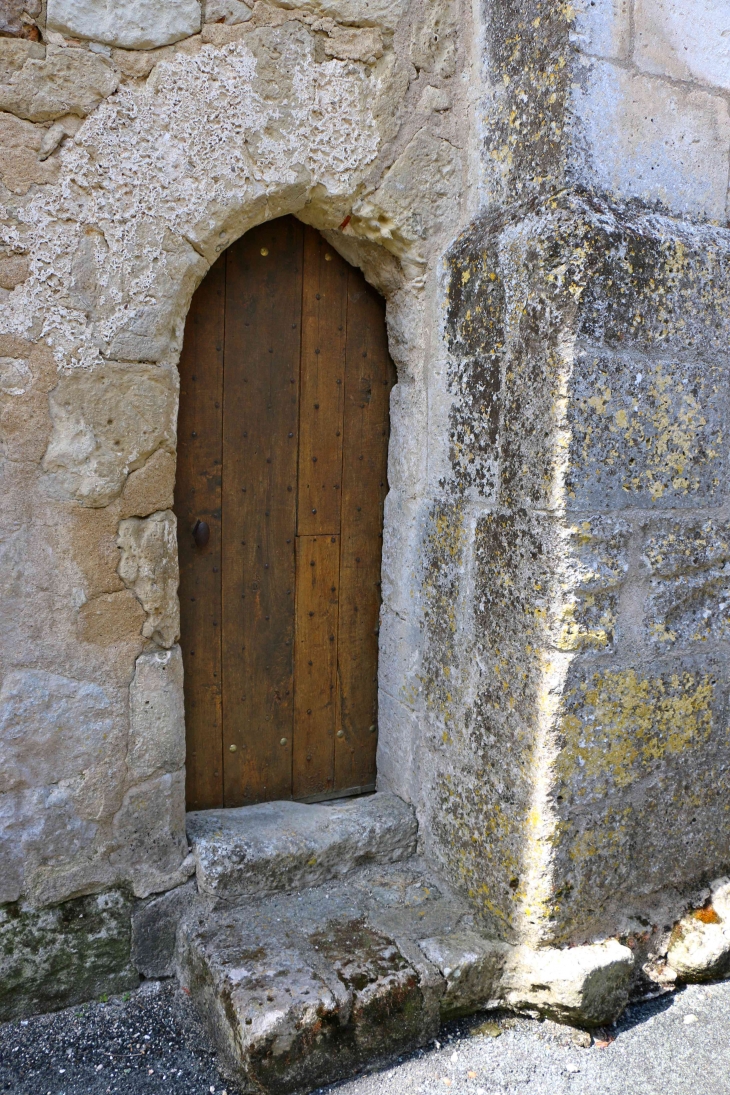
303 989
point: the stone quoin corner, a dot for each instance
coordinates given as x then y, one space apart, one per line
365 541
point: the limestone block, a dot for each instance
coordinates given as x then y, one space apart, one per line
151 487
363 13
639 787
149 566
149 833
417 197
651 433
26 375
602 28
289 845
20 166
64 81
53 958
349 44
433 39
111 618
227 11
650 140
107 421
157 715
594 568
137 24
699 946
689 609
19 823
293 1010
685 39
14 269
72 728
472 967
154 930
586 985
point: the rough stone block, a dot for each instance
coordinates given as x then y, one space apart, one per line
588 986
647 434
150 488
136 24
602 28
157 715
73 722
149 832
52 958
699 947
111 618
637 795
289 845
149 566
42 85
472 967
227 11
654 141
107 421
20 167
685 39
154 930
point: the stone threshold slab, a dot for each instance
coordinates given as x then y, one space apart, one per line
303 989
285 846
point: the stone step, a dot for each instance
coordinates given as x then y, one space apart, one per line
303 989
285 846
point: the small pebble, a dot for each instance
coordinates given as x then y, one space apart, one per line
689 1019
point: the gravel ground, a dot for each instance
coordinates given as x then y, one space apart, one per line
150 1042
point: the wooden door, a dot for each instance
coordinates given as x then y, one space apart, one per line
282 450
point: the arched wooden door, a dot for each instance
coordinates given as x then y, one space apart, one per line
282 448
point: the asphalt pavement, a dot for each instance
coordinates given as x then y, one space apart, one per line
150 1041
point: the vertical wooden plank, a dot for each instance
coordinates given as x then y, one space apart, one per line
324 312
260 427
198 497
370 376
315 665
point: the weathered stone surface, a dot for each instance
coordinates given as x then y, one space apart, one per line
302 989
290 845
111 618
73 727
685 39
52 958
107 421
150 835
699 949
41 85
227 11
148 565
588 985
18 19
602 28
139 24
14 270
699 946
416 197
154 930
157 715
656 141
20 167
472 967
151 487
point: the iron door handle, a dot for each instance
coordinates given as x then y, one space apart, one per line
201 533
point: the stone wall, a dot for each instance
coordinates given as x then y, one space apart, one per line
573 680
136 146
540 192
